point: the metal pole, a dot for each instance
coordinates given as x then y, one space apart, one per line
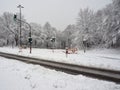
30 42
20 27
19 6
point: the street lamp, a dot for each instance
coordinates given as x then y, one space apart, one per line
19 6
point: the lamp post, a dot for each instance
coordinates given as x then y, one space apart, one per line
19 6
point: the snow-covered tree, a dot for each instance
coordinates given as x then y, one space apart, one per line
116 5
8 24
86 26
36 34
111 24
49 33
68 35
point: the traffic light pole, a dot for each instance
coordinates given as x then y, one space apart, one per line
15 17
30 41
29 36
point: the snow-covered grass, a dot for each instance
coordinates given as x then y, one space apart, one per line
16 75
101 58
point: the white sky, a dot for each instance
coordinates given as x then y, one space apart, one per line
59 13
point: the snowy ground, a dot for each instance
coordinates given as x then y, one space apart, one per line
16 75
105 58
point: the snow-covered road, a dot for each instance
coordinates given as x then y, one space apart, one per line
105 58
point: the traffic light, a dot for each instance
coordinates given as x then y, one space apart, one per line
53 40
15 16
30 40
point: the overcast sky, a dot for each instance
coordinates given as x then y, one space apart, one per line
59 13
